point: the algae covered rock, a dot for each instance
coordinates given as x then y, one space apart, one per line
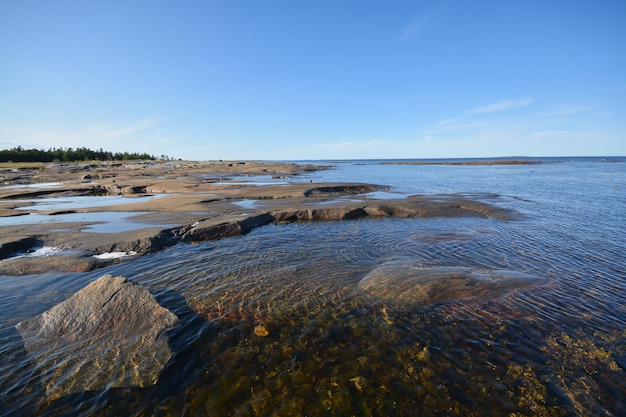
112 333
403 281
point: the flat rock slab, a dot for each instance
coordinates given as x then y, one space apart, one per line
403 281
112 333
43 264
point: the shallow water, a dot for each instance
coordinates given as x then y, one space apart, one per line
97 222
257 180
275 322
81 202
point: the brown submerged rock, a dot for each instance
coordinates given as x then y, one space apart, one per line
112 333
402 281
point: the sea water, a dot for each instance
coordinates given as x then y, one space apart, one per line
330 348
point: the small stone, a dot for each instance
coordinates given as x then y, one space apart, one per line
261 331
359 382
423 355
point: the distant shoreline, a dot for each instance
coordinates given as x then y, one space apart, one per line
482 162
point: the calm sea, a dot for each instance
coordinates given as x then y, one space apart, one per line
555 349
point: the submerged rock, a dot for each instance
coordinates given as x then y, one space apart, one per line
112 333
401 280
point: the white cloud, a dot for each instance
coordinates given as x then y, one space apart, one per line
503 105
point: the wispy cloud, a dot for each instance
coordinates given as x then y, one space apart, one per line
503 105
545 134
350 145
104 132
454 125
568 110
418 25
133 136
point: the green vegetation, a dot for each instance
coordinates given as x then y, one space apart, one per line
20 154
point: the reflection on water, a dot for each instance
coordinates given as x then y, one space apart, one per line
81 202
275 322
97 222
246 204
33 186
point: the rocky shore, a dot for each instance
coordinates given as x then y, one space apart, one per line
162 204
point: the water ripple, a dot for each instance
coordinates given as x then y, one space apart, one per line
274 322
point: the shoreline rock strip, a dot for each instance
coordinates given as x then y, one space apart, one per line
194 208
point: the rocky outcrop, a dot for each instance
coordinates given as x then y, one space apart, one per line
218 228
321 213
347 189
413 206
55 192
121 189
141 241
112 333
403 281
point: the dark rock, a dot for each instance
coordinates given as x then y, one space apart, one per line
10 246
138 189
254 222
112 333
210 231
48 193
322 213
214 229
349 189
141 241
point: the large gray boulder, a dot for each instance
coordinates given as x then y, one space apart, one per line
112 333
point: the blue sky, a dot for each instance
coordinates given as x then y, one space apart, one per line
316 79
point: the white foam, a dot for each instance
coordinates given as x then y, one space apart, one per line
114 255
43 251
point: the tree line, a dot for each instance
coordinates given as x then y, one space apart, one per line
20 154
